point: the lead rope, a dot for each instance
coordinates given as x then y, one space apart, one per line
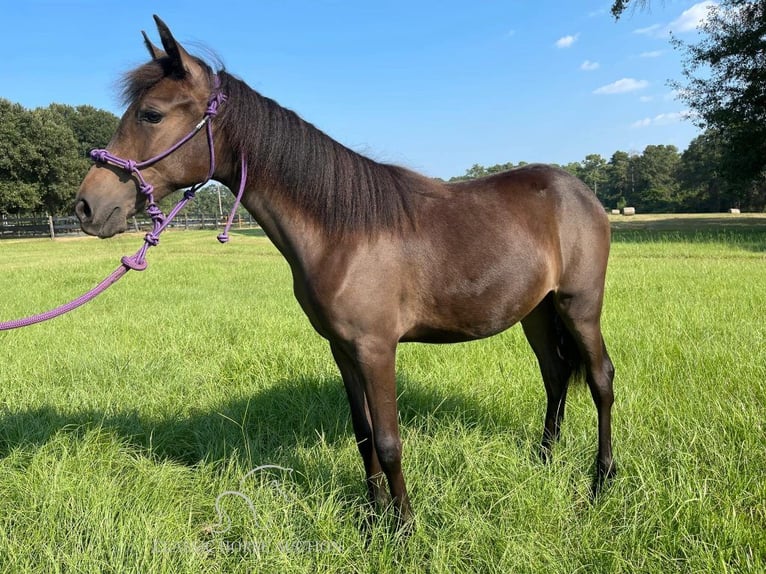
160 222
224 237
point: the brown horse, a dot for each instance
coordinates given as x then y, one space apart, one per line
379 254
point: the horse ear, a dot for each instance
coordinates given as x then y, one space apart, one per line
175 52
155 52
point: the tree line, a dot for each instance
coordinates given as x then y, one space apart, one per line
661 179
43 154
43 159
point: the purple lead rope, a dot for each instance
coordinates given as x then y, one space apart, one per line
159 220
53 313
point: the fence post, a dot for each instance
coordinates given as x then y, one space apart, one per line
50 227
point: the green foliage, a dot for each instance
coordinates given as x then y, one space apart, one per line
657 189
92 127
619 6
477 170
43 153
660 179
122 423
726 89
19 158
700 175
619 180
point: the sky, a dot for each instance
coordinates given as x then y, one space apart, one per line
433 86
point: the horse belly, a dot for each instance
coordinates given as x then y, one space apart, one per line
425 334
456 318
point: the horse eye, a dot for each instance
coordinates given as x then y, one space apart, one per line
150 116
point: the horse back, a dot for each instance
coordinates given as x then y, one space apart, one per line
489 250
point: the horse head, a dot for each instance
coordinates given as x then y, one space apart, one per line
166 99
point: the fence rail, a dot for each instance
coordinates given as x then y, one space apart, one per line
37 225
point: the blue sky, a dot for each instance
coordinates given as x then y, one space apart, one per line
434 86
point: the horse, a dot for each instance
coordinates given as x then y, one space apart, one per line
379 254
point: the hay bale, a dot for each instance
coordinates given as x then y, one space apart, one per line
615 212
628 210
734 210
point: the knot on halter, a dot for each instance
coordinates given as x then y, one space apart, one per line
99 155
134 262
216 100
223 237
190 193
155 213
146 188
130 165
152 239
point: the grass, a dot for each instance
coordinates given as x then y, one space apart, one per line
128 427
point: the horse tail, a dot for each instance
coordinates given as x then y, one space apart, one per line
568 350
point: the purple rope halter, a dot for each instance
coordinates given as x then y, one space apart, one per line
159 220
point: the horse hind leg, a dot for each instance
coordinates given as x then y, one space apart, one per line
552 346
581 314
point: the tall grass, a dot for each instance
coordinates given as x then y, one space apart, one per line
132 430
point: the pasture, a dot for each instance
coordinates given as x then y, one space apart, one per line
132 431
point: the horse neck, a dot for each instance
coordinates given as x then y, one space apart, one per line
299 239
307 184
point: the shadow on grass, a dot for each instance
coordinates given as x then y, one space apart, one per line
269 427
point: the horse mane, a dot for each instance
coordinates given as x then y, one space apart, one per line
340 189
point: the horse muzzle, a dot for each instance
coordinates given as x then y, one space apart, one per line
103 222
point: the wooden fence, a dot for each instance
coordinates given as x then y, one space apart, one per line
40 225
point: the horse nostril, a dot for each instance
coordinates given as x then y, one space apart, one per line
83 211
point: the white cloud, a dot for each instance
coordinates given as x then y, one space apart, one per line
649 30
566 41
622 86
652 54
692 18
661 119
689 20
589 66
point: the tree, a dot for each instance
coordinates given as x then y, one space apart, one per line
43 153
19 159
618 182
726 74
61 167
594 174
656 182
620 6
699 175
92 128
477 171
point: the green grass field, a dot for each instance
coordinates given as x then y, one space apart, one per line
132 430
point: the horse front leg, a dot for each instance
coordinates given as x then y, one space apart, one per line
375 361
360 420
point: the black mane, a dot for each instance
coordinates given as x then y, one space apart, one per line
339 188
